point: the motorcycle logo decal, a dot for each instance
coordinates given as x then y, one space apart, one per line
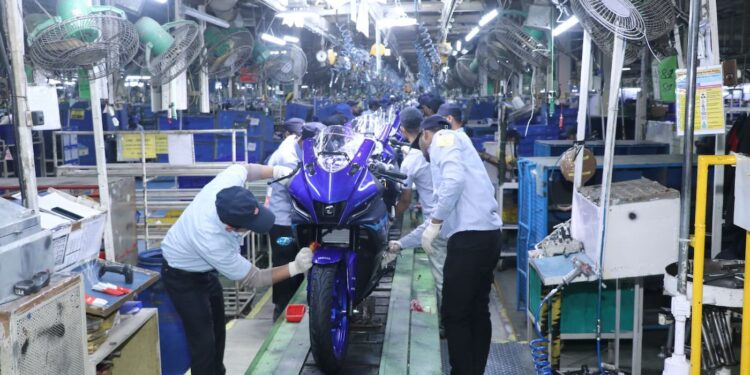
329 210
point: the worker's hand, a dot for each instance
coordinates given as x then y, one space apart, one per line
391 254
281 171
302 262
429 235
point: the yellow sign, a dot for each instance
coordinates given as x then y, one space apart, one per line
162 144
709 100
77 114
131 146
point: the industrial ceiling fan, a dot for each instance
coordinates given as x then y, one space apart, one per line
98 39
169 49
287 66
226 51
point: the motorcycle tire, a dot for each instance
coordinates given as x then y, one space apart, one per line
329 336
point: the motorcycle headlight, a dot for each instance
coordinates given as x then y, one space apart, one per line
333 163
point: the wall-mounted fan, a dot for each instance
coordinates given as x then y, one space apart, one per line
287 66
99 39
226 50
169 48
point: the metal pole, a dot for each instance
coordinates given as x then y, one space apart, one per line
677 363
205 106
24 144
687 163
378 59
583 106
101 168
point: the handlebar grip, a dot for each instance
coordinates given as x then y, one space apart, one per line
396 175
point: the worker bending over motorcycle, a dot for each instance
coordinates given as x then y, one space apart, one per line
204 242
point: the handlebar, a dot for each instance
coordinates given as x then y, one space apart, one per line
381 170
294 172
396 143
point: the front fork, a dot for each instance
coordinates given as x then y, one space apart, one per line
335 255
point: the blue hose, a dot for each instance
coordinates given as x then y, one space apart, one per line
540 345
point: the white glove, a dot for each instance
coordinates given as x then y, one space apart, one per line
280 171
391 254
394 246
429 235
302 262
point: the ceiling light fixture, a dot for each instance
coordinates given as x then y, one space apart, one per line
565 26
488 17
290 39
272 39
472 33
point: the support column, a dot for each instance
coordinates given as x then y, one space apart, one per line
25 143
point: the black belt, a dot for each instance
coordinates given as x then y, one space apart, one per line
183 273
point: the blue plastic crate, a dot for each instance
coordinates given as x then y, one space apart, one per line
537 173
298 110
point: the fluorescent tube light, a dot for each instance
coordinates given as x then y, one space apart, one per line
488 17
290 39
472 33
565 26
272 39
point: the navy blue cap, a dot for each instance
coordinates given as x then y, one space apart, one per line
451 109
311 129
431 101
435 122
294 125
410 118
238 208
344 109
337 119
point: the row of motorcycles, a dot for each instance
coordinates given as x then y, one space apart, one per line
343 193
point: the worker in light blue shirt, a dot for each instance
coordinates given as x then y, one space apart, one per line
205 241
453 113
283 246
419 177
466 214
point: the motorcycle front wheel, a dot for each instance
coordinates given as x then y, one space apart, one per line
329 316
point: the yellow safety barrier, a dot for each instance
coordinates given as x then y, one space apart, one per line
701 196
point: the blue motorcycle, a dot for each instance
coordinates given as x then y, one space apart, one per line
338 203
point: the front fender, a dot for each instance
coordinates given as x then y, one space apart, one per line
328 255
333 255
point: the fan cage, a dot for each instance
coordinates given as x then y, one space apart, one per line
287 67
101 43
186 48
520 44
659 17
224 65
602 37
620 17
465 76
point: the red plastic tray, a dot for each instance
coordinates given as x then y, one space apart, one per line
295 312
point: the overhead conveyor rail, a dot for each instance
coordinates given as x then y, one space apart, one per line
409 343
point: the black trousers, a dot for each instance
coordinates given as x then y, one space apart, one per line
283 254
468 276
199 301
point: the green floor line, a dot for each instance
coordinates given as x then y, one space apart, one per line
395 356
424 340
279 340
